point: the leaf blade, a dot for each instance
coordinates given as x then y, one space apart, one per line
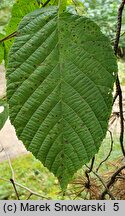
60 75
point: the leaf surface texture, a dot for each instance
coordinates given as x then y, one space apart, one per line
60 79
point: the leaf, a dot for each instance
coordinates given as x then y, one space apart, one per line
2 48
3 113
5 13
59 87
1 52
62 5
20 9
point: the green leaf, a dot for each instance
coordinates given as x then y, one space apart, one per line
2 48
3 113
20 9
59 87
1 52
62 5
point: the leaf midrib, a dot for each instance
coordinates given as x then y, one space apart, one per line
61 79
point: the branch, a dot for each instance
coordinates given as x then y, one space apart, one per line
108 153
105 186
119 24
118 87
8 37
43 5
12 171
14 183
92 164
14 186
29 196
26 188
111 182
9 161
87 184
14 33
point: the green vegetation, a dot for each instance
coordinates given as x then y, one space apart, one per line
30 173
